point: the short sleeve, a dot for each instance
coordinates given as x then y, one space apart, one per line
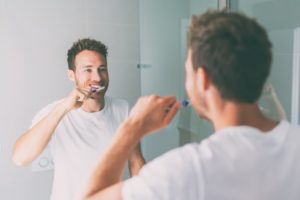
174 176
43 112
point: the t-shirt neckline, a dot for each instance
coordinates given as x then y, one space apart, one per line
98 113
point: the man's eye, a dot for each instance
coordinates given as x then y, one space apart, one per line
87 70
103 69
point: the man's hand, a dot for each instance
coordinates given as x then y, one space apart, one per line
76 98
153 112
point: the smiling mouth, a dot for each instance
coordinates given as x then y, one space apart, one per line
96 88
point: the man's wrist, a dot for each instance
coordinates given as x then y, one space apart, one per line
133 130
63 107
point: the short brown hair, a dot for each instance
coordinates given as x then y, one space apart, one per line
85 44
234 50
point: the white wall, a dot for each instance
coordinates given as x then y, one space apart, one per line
34 38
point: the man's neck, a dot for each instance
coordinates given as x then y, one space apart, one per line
233 114
93 105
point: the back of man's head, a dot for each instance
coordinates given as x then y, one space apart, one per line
235 52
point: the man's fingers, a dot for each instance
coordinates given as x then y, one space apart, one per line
84 91
168 102
171 113
82 94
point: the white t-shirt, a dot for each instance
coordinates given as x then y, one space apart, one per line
237 163
77 143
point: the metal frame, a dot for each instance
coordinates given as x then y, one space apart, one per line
295 79
224 5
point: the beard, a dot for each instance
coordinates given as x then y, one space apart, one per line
95 96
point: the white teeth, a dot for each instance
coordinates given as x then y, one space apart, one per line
96 88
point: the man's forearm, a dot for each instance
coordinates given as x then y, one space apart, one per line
109 169
31 144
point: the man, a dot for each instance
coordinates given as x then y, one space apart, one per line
79 127
249 157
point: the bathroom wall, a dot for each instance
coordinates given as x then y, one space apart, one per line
160 56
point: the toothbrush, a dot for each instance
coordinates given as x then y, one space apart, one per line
96 89
185 103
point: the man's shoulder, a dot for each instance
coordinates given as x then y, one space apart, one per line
50 106
117 102
54 103
44 111
291 130
184 154
232 141
290 126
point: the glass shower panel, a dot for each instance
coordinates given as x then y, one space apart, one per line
281 19
162 53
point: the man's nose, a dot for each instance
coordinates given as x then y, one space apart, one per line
96 76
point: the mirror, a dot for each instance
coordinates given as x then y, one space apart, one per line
146 41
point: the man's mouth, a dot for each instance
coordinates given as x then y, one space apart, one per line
97 88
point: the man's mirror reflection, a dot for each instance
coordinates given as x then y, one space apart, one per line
92 118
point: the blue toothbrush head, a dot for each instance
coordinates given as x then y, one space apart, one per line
185 103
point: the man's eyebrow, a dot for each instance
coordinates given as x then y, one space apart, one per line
87 66
90 66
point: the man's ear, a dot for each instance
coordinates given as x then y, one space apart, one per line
203 80
71 75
